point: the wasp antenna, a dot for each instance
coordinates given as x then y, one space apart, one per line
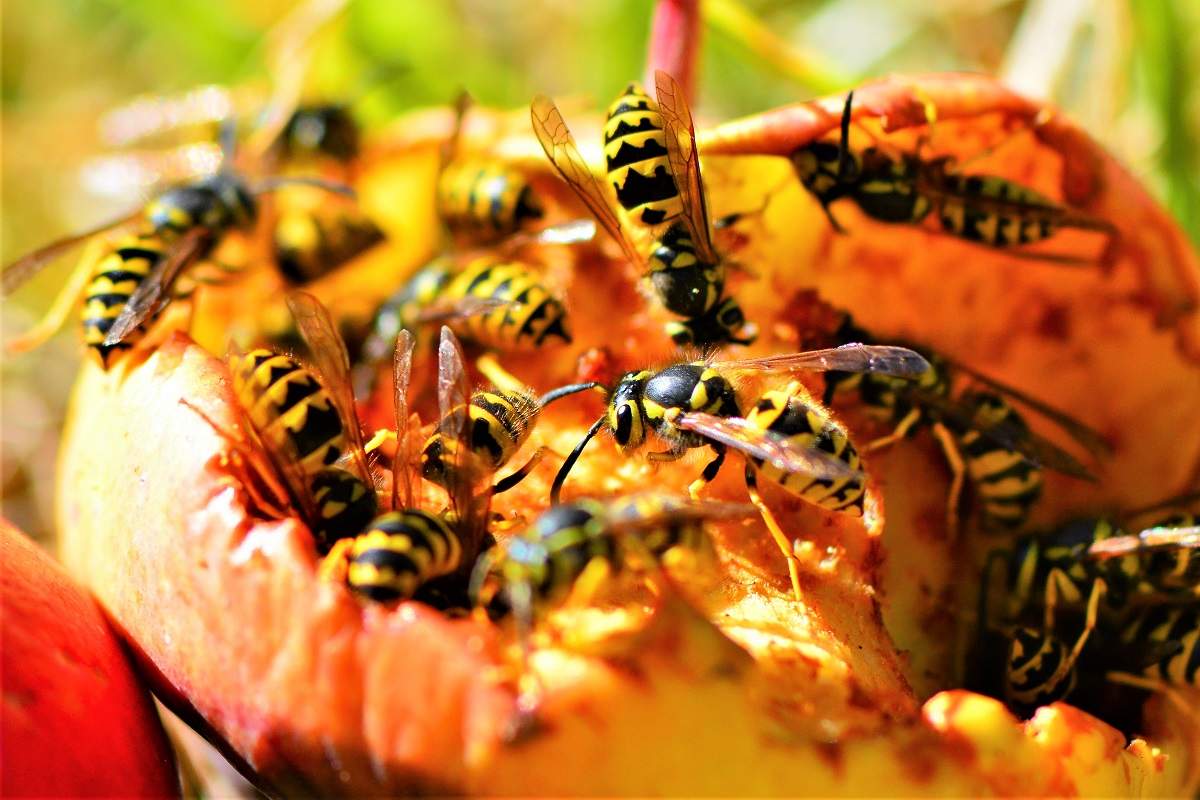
565 469
278 181
844 145
566 391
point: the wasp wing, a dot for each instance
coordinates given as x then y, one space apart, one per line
1089 438
1147 541
786 454
25 267
552 131
684 158
402 490
855 357
448 309
332 362
651 509
463 471
148 296
1012 437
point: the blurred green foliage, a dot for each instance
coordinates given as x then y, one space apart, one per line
1125 68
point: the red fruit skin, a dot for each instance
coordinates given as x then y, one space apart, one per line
75 721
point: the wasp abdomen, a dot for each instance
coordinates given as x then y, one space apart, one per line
117 276
635 151
399 552
787 415
344 506
290 409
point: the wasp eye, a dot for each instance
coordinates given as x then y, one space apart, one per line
624 424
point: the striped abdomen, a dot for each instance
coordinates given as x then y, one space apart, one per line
117 276
529 318
291 412
887 189
564 540
1037 670
400 551
485 200
401 310
1006 483
312 240
1018 215
344 506
499 424
670 529
635 150
794 416
1171 634
683 284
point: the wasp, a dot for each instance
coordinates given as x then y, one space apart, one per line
573 548
482 200
302 417
312 236
136 269
984 438
684 269
1155 564
905 188
786 436
496 304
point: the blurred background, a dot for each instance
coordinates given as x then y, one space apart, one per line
1125 68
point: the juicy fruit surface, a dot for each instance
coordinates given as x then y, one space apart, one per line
315 693
76 720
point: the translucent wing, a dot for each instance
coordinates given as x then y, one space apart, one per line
651 509
450 147
463 473
746 437
560 148
1011 437
448 309
147 298
402 490
1091 439
284 460
332 362
572 232
855 357
1148 540
31 264
685 162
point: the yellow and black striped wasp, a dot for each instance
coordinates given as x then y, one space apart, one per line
685 271
984 438
1158 562
405 549
787 436
906 188
129 276
572 549
312 235
1129 592
302 417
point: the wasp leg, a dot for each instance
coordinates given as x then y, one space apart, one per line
275 507
958 471
901 430
511 480
1098 589
711 469
332 568
781 539
665 456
